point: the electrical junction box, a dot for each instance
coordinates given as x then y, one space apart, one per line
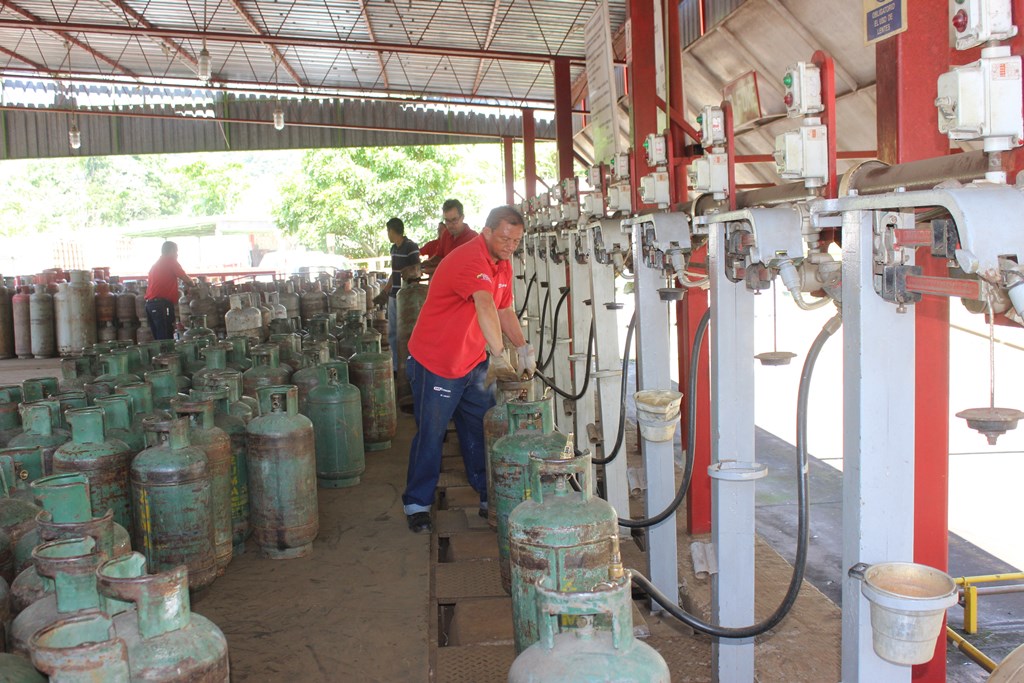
982 100
593 205
710 174
654 189
594 177
803 90
802 154
712 126
569 189
619 198
976 22
571 210
555 214
656 148
620 167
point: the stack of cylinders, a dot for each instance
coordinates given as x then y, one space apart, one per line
22 316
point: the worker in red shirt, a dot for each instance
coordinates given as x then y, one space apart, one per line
162 291
451 234
468 308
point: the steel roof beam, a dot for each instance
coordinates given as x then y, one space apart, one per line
25 60
290 41
487 44
258 30
62 30
174 46
369 31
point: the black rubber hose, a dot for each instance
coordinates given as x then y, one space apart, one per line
691 424
621 431
586 377
543 317
543 364
803 529
526 298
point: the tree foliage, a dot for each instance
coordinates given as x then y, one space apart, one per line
351 193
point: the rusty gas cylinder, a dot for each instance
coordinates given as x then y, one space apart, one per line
370 371
282 476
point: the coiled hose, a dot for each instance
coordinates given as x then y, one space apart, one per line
691 422
803 516
586 377
543 364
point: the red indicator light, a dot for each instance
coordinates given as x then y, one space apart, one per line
960 21
788 99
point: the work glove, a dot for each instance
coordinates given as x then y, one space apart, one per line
500 370
527 360
381 299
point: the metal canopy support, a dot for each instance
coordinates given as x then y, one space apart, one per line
653 347
908 66
529 152
732 439
508 149
563 118
878 449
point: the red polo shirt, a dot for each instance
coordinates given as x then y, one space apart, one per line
446 244
163 279
447 339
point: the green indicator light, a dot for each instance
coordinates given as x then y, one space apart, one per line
700 119
960 2
787 80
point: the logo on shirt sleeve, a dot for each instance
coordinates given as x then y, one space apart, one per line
484 277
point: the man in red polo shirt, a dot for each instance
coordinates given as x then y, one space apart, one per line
451 234
162 291
468 308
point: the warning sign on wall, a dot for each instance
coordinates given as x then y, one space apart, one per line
884 18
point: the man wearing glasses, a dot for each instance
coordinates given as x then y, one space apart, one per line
452 233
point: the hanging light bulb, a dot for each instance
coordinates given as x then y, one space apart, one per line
204 70
74 136
278 119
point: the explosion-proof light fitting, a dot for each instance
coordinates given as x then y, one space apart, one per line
278 119
205 68
74 136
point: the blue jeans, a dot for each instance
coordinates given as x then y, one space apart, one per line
393 330
160 314
436 401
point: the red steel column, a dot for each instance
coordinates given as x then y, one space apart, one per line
510 170
907 68
563 118
642 89
529 153
689 312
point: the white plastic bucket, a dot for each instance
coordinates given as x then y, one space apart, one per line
657 413
908 602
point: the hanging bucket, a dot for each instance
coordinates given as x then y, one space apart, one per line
908 602
657 413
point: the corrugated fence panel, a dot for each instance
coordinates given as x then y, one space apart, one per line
717 10
689 21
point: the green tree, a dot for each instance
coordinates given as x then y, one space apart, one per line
351 193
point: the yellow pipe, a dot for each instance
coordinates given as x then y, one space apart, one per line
989 578
972 653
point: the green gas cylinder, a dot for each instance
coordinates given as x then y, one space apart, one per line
370 371
39 421
234 427
216 357
290 345
117 421
10 419
241 406
17 520
75 373
408 302
204 433
81 649
141 395
171 503
282 476
22 466
38 388
6 576
197 329
103 460
495 427
266 370
165 388
308 375
19 670
334 407
588 653
238 356
561 535
166 641
172 363
67 400
531 431
188 352
71 565
67 513
115 371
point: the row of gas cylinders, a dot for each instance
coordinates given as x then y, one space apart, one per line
558 552
88 608
64 313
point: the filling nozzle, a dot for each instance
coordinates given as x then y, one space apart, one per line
791 279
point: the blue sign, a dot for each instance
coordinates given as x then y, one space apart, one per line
884 18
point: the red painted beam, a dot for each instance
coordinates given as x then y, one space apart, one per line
827 70
25 60
278 56
688 314
563 118
643 91
908 66
129 11
510 170
283 40
529 153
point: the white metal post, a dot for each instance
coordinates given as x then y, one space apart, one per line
732 438
878 443
608 366
582 314
653 349
536 297
559 365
